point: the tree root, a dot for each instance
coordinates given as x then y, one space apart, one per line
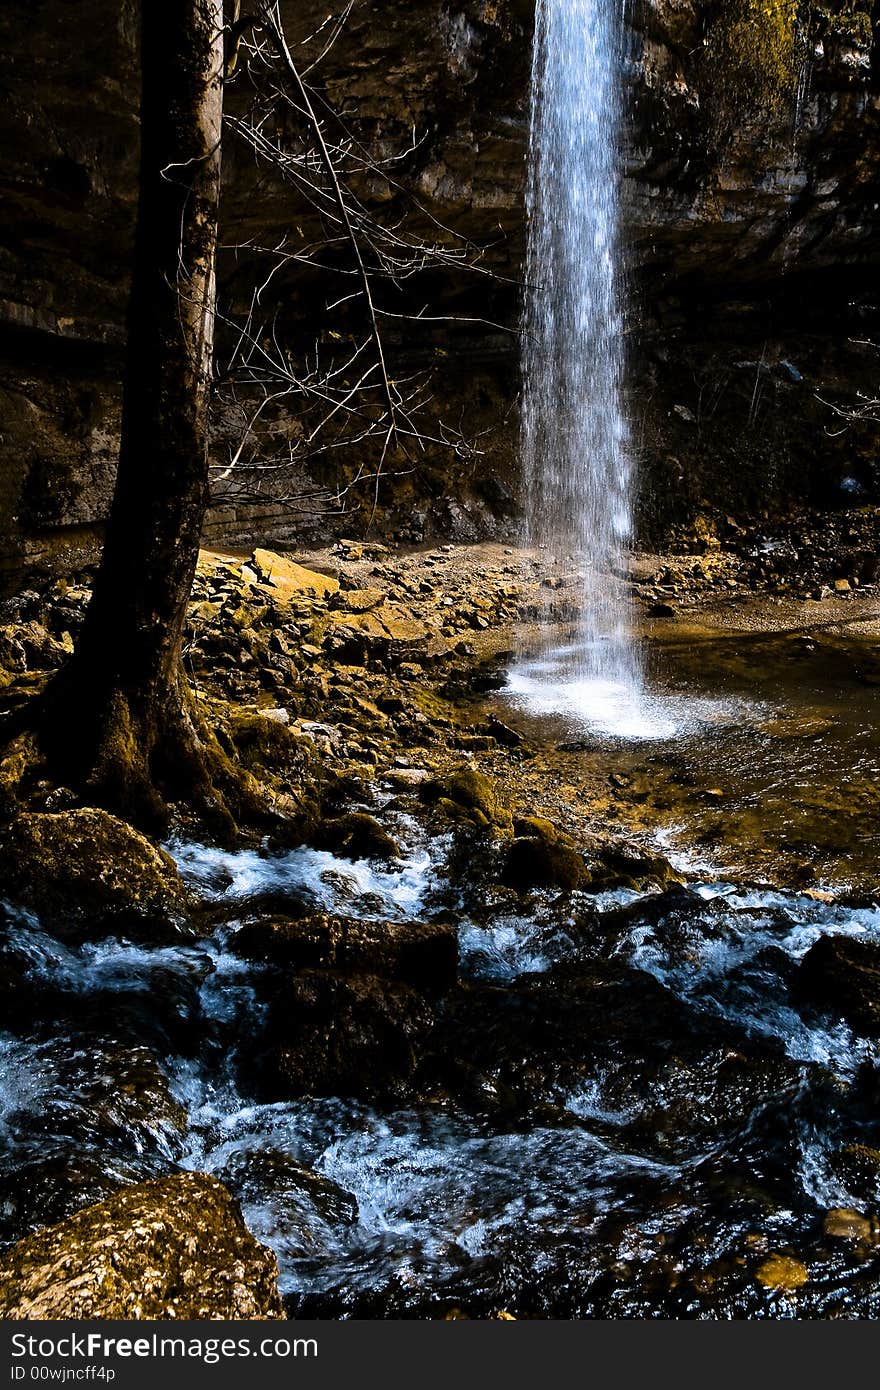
135 757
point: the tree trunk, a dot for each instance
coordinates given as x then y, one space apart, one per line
121 718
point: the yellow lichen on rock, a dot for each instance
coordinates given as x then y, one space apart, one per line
782 1272
174 1247
270 573
755 49
841 1223
288 578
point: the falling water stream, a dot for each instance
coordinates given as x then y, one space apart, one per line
575 447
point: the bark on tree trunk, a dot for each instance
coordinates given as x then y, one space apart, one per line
123 720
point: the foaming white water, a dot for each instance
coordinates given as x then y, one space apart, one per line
576 457
719 961
333 883
360 1201
557 683
26 1076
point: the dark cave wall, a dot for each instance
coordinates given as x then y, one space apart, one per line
751 241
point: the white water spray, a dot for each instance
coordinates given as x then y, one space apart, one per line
576 461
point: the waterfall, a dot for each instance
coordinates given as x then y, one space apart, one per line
576 460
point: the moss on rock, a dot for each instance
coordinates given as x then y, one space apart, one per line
753 51
537 863
356 835
85 871
468 794
542 857
176 1247
422 954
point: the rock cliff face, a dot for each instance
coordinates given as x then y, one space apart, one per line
751 225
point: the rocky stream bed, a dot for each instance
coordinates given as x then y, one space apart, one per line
508 1016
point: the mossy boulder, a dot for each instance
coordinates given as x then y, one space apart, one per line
85 872
421 954
175 1247
303 1208
333 1033
841 975
356 835
858 1166
541 856
466 794
262 741
279 763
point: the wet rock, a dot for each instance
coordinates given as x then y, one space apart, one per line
293 902
627 866
842 975
858 1166
422 954
782 1273
356 836
503 734
84 872
47 1188
337 1034
116 1090
154 1002
525 1042
176 1247
541 857
842 1224
468 794
84 1116
305 1207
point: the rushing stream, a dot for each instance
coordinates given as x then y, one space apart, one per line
657 1111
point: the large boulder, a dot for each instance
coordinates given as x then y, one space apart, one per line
355 835
333 1033
84 871
842 975
289 579
541 856
176 1248
421 954
468 795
